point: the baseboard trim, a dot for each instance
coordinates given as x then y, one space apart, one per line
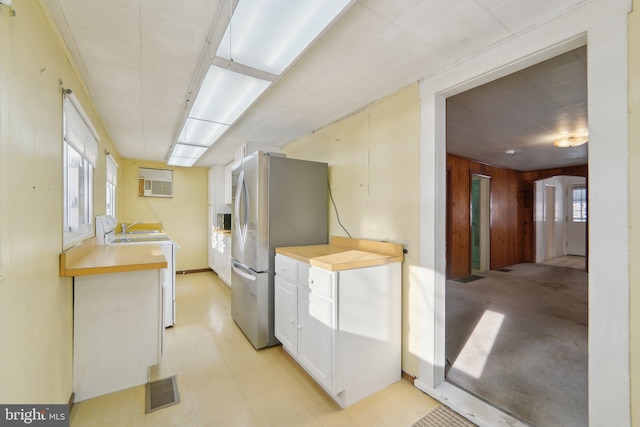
199 270
409 377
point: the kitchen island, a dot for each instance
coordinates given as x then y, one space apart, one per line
117 314
338 313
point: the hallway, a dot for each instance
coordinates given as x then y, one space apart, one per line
518 339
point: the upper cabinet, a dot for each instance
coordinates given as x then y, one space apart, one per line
228 196
218 189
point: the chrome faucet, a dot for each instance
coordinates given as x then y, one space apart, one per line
125 227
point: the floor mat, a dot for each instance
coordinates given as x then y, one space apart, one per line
468 279
504 270
442 416
161 393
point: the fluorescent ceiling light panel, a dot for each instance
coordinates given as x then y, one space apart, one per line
225 95
185 155
270 35
181 161
201 132
190 151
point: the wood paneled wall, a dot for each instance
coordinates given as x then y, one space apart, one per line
506 215
512 204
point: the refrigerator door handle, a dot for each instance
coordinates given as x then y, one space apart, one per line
242 273
242 202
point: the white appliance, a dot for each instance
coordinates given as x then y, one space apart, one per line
105 235
278 202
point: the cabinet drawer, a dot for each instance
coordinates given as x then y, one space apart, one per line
320 282
286 267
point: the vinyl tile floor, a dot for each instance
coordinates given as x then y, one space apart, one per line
224 381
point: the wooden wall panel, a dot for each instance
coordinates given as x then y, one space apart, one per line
506 218
506 215
458 240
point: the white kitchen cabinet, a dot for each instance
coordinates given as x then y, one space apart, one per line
118 330
315 341
211 234
342 327
228 184
286 318
221 244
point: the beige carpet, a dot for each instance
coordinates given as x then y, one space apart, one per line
568 261
518 340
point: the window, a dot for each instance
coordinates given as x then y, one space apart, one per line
579 203
112 179
79 156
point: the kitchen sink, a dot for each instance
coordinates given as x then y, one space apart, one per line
122 239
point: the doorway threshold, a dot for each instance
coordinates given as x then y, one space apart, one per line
469 406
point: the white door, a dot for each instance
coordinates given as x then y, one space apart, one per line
577 220
549 220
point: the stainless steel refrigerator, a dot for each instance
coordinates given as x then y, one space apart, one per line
277 201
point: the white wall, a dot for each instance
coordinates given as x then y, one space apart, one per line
373 170
561 184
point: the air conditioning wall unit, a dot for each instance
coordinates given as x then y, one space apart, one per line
155 182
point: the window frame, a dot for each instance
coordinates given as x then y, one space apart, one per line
79 137
582 215
111 186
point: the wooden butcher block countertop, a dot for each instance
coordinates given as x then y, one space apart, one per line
345 253
90 258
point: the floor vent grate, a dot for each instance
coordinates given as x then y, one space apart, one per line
443 416
468 279
161 393
504 270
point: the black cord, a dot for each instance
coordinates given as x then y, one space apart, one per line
335 208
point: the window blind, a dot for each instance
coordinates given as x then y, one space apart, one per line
78 130
112 170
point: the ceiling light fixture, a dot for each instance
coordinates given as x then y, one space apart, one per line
185 154
570 141
223 97
267 38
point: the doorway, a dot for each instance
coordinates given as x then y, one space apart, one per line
491 317
549 221
605 25
480 223
577 219
561 221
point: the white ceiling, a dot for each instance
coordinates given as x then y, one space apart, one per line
524 112
140 58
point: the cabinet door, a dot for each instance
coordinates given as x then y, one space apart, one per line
228 184
315 336
286 315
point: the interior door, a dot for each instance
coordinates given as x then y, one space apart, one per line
475 223
549 221
480 222
577 220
